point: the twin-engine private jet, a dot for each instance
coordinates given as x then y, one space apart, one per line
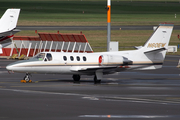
8 24
149 56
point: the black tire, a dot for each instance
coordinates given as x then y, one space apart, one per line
96 80
76 77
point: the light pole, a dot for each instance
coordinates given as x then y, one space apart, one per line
108 24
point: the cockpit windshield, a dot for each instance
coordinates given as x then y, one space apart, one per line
39 57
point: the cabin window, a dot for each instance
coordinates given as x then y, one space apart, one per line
49 56
84 58
72 58
65 58
78 58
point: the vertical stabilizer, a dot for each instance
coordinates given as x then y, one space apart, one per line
9 20
160 38
156 46
8 24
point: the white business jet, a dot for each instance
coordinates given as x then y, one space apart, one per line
149 56
8 24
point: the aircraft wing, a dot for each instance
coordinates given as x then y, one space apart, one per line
93 69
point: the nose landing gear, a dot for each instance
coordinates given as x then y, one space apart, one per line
26 79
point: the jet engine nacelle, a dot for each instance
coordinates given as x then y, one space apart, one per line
111 60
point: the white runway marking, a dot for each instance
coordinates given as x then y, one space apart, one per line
91 98
43 92
140 100
99 97
127 116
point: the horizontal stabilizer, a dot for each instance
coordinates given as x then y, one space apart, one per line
9 33
155 50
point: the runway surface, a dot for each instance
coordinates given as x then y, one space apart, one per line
130 95
176 27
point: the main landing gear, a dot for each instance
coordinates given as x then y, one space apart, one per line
98 76
96 80
26 79
76 78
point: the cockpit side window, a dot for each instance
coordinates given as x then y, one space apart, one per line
39 57
49 56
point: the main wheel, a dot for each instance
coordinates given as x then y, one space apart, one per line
76 77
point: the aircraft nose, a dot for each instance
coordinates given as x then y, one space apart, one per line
15 65
9 67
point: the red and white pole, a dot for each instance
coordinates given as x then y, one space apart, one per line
108 24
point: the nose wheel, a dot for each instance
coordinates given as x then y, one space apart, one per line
26 79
